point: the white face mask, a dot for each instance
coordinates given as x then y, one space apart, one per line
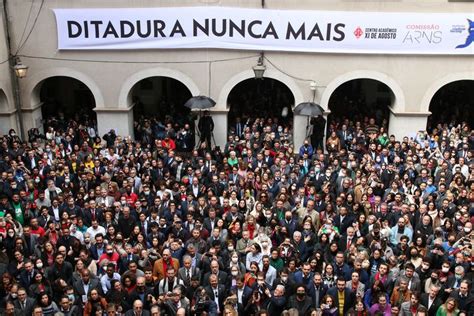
235 259
14 295
467 230
230 248
284 278
235 273
445 270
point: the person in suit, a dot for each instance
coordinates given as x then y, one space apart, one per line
303 276
222 277
11 310
343 220
464 298
27 274
98 248
188 271
216 292
159 266
347 240
206 127
137 310
432 301
343 297
317 290
24 303
86 283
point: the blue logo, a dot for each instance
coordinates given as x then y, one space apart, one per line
470 36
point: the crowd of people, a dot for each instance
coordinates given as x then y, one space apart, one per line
369 225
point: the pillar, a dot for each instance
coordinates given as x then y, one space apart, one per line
220 127
8 120
300 132
120 120
407 123
32 118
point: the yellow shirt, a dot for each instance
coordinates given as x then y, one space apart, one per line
341 303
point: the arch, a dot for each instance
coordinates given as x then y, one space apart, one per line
248 74
36 80
438 84
399 97
125 98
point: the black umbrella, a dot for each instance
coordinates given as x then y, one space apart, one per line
308 109
200 103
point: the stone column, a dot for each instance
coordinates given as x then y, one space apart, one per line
407 123
121 120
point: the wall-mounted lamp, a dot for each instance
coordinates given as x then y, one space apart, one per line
20 69
259 69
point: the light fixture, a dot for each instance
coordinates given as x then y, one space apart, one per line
259 69
313 85
20 69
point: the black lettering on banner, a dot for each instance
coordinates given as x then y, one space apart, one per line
328 32
86 30
177 29
339 29
148 29
316 32
204 29
223 29
123 31
250 29
96 27
159 26
270 31
239 29
76 32
291 32
110 30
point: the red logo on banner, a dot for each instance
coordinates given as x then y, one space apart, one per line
358 32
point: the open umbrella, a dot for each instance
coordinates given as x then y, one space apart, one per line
308 109
200 103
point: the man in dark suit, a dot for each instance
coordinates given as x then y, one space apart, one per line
343 220
206 127
464 297
217 292
98 248
316 290
222 277
304 276
432 301
347 240
188 271
137 310
343 297
27 275
86 283
24 303
211 221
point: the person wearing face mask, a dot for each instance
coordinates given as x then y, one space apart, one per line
300 301
235 262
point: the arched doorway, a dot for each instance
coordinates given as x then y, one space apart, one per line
452 104
267 99
359 100
158 103
64 99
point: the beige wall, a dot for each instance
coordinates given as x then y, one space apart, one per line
413 79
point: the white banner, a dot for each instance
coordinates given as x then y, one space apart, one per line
268 30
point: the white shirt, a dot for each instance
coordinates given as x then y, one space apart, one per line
92 231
